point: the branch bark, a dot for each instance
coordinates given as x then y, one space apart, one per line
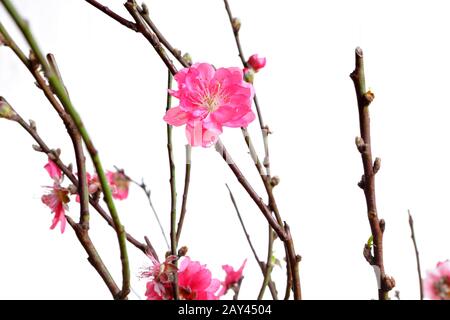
416 250
367 183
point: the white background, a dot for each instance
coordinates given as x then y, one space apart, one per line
117 82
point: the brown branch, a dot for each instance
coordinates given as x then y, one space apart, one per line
143 28
416 250
187 179
255 197
264 128
93 257
175 52
261 264
235 28
367 183
129 24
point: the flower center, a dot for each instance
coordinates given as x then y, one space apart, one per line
443 288
211 102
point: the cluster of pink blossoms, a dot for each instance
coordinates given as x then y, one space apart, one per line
437 283
195 281
57 198
211 99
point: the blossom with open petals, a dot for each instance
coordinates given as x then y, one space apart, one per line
256 62
210 99
195 281
437 283
58 196
232 277
119 184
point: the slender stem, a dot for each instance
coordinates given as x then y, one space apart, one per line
112 14
148 193
261 264
264 129
236 33
93 257
268 264
416 250
256 198
187 179
132 8
173 188
233 200
60 92
14 47
83 190
176 53
367 183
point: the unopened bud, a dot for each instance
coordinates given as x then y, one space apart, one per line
256 62
187 57
236 22
360 145
274 181
249 75
32 124
6 111
37 148
182 251
376 165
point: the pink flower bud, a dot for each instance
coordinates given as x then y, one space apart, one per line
255 62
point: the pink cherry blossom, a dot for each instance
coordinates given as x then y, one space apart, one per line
93 185
53 170
210 99
161 278
256 62
194 281
57 198
119 184
232 277
437 283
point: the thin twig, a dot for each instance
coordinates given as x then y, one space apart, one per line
93 256
143 28
187 179
264 129
175 52
173 188
367 183
143 186
256 198
416 250
260 263
129 24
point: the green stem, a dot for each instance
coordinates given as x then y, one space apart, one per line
61 93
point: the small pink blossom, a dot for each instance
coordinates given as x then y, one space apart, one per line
57 198
93 185
256 63
194 281
232 277
437 283
210 99
53 170
119 184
